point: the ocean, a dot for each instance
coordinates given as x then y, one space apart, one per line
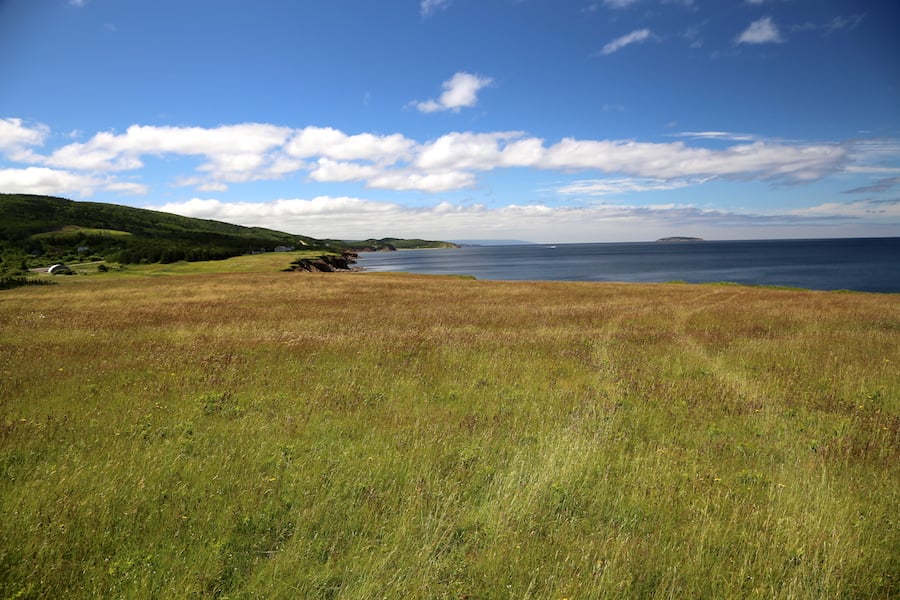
860 264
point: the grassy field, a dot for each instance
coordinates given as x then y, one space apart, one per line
74 231
357 435
249 263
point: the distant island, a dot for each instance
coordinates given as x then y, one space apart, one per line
679 238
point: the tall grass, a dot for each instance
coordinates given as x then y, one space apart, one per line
388 436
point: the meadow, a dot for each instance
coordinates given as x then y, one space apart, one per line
362 435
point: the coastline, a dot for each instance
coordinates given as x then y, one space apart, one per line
857 264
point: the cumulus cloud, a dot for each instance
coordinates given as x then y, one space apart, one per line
761 31
229 149
16 138
460 91
332 170
443 181
334 144
42 180
635 37
480 151
231 154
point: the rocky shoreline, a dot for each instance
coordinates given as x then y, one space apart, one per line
327 263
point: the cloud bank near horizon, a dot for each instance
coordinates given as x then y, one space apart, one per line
356 218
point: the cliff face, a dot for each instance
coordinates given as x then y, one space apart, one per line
328 263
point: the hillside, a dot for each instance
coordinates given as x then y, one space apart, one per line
373 245
37 231
45 228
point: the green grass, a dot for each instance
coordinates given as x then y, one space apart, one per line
74 231
251 263
287 435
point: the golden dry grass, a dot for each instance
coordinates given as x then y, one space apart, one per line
376 435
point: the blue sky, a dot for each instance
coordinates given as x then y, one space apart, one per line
540 120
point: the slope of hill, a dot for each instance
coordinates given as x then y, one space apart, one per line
56 229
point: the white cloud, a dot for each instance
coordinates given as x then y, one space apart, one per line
229 149
460 91
878 156
127 187
16 137
619 3
257 151
270 213
357 218
331 170
761 31
443 181
861 209
616 186
321 216
210 186
479 151
635 37
675 160
41 180
429 7
331 143
717 135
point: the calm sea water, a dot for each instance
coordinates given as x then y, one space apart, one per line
869 264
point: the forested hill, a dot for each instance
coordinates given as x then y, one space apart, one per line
61 229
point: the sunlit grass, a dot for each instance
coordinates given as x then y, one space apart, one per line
377 435
75 230
266 262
